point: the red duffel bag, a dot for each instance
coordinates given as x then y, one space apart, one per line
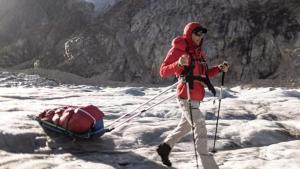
57 114
73 118
84 118
65 117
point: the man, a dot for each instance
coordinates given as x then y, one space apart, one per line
186 61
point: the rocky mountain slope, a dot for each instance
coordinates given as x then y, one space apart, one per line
130 39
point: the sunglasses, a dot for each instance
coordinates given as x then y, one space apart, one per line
198 34
199 31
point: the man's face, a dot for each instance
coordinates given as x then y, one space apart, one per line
197 37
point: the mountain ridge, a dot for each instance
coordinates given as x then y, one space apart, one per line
129 41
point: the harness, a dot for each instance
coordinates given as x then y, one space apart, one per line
188 76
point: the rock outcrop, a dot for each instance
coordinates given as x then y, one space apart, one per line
129 40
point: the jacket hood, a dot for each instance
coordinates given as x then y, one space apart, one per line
187 33
179 43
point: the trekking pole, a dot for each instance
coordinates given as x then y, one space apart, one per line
138 113
192 121
220 98
118 119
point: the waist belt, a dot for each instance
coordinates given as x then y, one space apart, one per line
206 81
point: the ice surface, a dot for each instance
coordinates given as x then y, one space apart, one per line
258 128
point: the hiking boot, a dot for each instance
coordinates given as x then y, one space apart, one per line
164 150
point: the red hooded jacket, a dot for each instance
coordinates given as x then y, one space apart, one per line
184 45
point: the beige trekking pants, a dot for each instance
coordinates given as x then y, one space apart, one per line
200 131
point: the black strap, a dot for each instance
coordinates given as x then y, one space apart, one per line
189 77
208 83
205 80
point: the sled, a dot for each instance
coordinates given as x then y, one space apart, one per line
93 133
